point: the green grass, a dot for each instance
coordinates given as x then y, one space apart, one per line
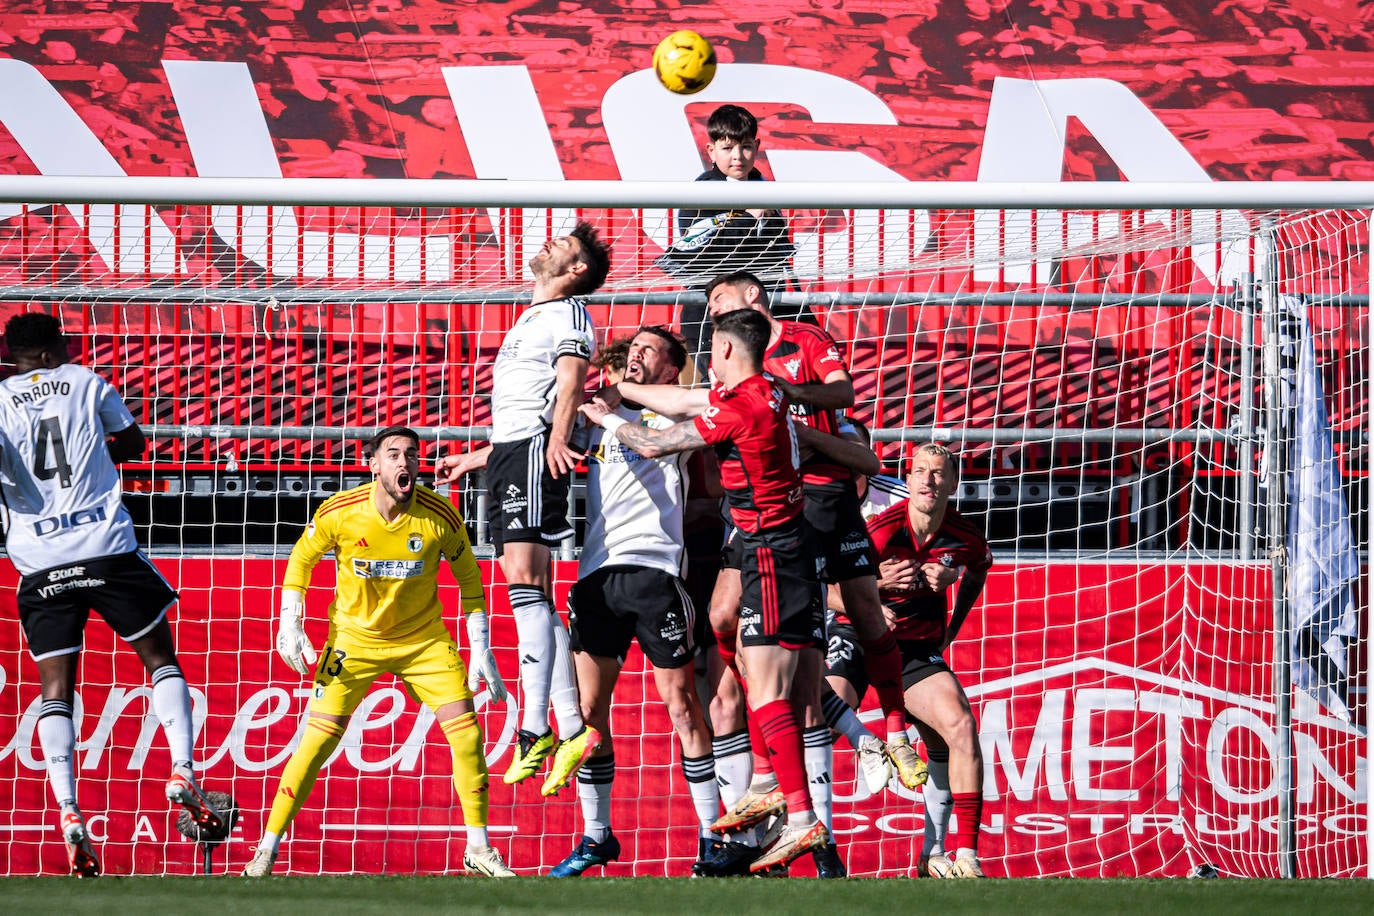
212 896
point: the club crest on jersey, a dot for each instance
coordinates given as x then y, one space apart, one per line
947 560
792 366
415 543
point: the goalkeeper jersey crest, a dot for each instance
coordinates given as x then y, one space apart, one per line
388 572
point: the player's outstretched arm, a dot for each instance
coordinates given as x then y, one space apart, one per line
651 443
855 456
450 468
667 400
127 444
835 393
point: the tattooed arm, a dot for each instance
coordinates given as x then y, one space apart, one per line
651 443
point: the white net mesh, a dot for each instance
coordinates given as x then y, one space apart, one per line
1100 374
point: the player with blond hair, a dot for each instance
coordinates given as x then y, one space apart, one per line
927 537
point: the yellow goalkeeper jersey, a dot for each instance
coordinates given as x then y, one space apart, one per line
388 572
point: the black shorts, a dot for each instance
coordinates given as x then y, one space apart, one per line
732 551
846 551
920 659
780 601
525 502
616 604
55 603
844 654
703 566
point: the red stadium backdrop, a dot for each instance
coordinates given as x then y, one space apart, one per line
1102 787
1237 90
901 90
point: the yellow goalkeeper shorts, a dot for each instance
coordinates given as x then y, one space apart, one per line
429 666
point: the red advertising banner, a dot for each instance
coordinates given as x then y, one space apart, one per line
1126 717
871 89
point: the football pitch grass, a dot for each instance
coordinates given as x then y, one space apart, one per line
138 896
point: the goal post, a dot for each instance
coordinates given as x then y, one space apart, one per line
1159 395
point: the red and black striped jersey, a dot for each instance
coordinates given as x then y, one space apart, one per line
752 435
806 355
922 613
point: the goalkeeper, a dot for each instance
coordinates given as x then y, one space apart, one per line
388 537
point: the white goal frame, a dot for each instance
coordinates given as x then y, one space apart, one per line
593 195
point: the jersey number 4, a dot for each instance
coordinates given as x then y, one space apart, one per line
50 440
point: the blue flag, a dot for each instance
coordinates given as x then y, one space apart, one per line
1322 562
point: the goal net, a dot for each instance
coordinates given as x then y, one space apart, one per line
1161 419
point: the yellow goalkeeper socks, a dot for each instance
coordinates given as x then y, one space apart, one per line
318 742
464 736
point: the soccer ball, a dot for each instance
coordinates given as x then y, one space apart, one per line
684 62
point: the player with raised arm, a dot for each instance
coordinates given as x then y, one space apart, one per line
747 422
62 429
388 538
809 369
928 535
537 386
630 587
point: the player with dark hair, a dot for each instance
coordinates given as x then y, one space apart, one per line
611 359
62 429
808 367
930 536
537 386
630 588
388 538
711 242
747 422
593 256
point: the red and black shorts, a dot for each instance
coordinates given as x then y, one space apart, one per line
125 589
525 502
616 604
845 549
781 599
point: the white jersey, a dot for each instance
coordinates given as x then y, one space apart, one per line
522 390
634 504
883 491
64 494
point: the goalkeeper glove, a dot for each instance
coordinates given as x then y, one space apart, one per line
292 644
483 662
